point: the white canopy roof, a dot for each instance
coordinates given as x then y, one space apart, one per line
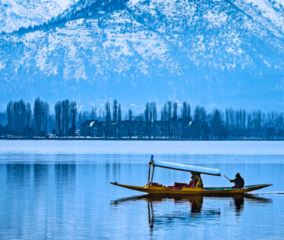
187 168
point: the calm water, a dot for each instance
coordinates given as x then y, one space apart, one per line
45 195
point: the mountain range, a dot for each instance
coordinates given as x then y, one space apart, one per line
216 53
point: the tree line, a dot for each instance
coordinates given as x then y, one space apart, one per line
171 120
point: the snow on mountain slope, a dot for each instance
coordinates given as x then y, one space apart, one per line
15 14
268 13
211 51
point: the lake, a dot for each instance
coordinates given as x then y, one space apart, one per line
61 190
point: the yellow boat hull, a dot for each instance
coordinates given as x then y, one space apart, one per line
193 191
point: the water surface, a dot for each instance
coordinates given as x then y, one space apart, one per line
141 147
68 196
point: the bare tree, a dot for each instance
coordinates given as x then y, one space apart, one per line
188 118
22 116
114 114
85 116
249 125
162 122
65 117
169 111
44 116
73 112
153 116
57 110
130 115
165 119
175 118
93 113
37 116
130 124
28 118
147 118
108 117
16 121
217 123
10 115
119 119
184 113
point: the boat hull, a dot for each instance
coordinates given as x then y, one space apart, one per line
193 191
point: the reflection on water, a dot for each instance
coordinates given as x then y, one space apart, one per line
193 209
239 204
56 197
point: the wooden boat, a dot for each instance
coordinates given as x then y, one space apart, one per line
182 188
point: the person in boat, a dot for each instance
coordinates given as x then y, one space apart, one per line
192 182
196 180
239 181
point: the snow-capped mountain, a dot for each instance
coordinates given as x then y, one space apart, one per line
15 14
216 53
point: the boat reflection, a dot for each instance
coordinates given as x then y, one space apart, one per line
197 212
239 205
238 202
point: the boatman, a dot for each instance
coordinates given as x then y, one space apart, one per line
239 182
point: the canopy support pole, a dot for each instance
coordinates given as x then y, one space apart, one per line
149 173
152 175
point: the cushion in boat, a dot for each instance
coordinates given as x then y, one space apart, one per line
177 184
156 184
173 187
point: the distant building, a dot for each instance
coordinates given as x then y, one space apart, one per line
93 128
89 128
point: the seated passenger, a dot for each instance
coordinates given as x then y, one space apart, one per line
192 182
196 181
199 182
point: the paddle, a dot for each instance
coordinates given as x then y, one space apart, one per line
227 177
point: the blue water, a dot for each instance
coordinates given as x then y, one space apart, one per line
68 196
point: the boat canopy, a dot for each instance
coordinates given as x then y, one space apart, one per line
185 167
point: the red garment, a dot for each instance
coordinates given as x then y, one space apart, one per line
192 184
